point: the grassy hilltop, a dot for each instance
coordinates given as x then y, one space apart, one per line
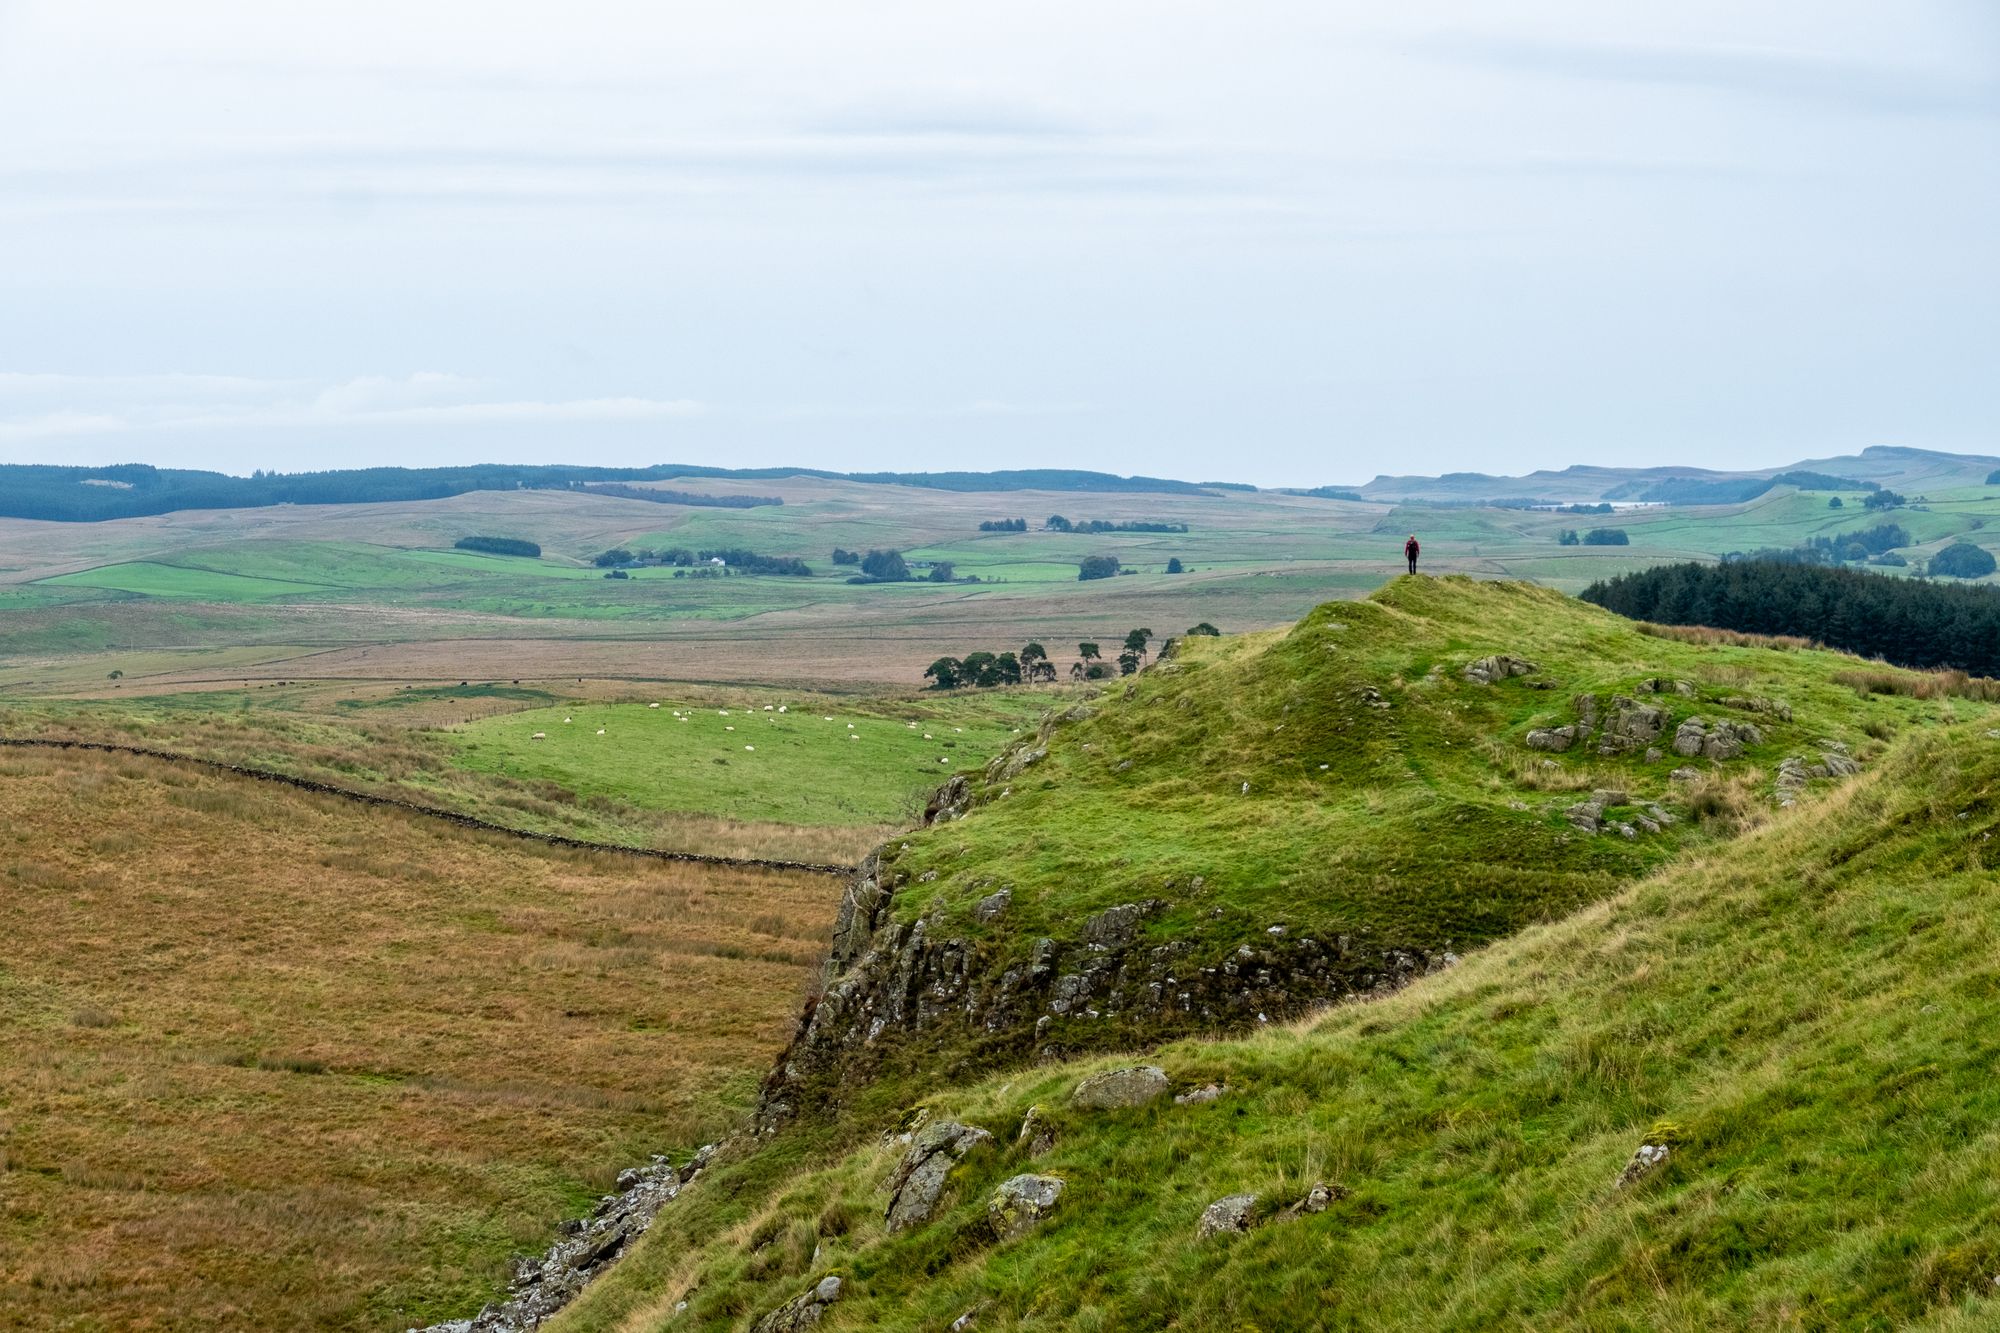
1796 1002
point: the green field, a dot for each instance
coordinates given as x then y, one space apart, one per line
867 765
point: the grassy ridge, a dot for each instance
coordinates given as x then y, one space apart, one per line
1344 779
1805 1017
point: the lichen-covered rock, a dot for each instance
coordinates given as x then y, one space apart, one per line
1199 1096
1229 1215
949 802
993 905
803 1311
1117 1089
1689 738
1499 667
1021 1202
920 1177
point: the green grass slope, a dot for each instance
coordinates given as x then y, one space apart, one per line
1807 1018
1343 782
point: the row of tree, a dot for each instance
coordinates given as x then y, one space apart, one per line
1032 664
1057 523
1595 537
1902 620
890 567
735 558
500 546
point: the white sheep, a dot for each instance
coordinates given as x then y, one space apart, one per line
652 705
729 728
600 731
539 736
749 747
565 720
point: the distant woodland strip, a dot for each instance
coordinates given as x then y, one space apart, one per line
1910 623
131 490
427 811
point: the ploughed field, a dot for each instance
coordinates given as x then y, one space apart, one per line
280 1060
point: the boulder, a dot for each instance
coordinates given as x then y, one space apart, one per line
801 1312
1021 1202
920 1177
1662 685
1553 739
993 905
1116 1089
1229 1215
1198 1096
1839 763
1500 666
1689 738
1726 740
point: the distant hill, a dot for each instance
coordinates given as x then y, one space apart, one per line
1874 467
132 490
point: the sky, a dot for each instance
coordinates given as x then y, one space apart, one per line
1283 243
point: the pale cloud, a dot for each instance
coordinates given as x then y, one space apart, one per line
201 403
1270 239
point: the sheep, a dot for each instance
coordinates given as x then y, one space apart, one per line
652 705
781 708
749 747
539 736
565 721
600 731
767 708
729 728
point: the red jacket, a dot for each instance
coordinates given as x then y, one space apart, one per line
1410 549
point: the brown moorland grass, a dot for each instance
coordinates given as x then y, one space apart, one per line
274 1060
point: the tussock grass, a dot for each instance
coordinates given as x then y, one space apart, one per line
1708 636
280 1061
1920 684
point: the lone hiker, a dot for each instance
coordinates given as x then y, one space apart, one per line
1410 549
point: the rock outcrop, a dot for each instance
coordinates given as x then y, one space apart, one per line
542 1286
895 985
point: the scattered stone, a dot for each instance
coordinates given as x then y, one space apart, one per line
1662 685
993 905
1119 1088
801 1312
920 1177
1689 737
1229 1215
1553 739
1644 1162
1198 1096
1021 1202
1586 815
1685 775
1653 755
1499 667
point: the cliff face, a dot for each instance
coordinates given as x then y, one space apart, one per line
897 991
